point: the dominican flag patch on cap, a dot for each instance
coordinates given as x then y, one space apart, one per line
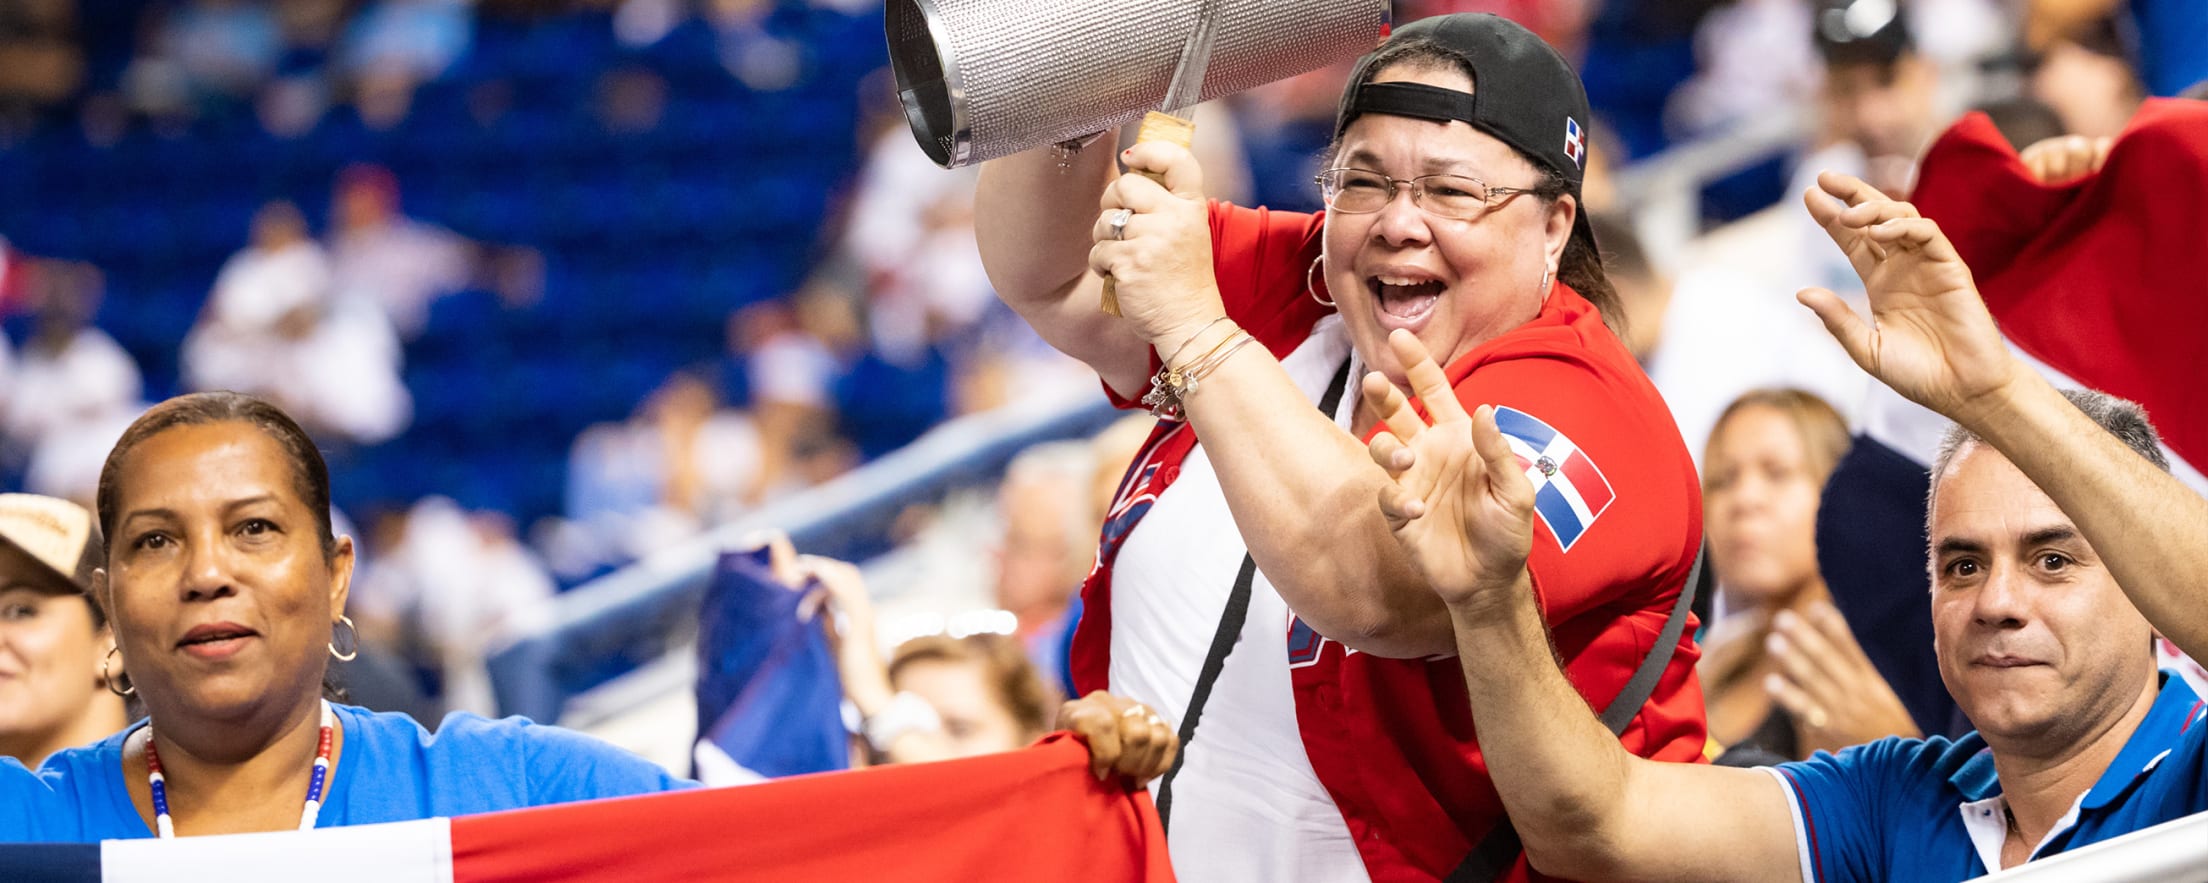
1569 492
1575 143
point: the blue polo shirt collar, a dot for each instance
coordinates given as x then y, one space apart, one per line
2148 744
1976 779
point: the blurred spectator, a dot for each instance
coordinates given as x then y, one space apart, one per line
2165 36
417 38
59 673
69 373
40 63
1753 57
220 49
383 257
711 454
274 328
1048 540
988 694
452 588
1642 289
912 229
2085 77
14 293
394 46
7 380
1767 462
678 465
760 58
940 697
631 100
785 359
1732 324
1880 96
292 102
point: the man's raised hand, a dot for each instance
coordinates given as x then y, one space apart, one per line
1930 336
1458 500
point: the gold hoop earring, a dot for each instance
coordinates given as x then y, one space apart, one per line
1310 277
106 662
345 655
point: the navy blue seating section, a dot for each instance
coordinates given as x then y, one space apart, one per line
650 238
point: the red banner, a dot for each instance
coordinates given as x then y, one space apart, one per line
1035 815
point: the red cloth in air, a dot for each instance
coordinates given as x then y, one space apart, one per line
2104 278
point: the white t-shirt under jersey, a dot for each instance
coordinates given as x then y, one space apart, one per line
1246 804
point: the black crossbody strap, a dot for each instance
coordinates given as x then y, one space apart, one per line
1229 633
1499 849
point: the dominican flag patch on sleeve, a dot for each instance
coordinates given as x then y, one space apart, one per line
1569 491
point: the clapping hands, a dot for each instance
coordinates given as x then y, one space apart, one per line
1828 685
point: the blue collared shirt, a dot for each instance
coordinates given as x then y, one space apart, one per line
1930 809
390 769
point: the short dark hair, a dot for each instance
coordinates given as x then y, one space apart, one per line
2121 418
310 474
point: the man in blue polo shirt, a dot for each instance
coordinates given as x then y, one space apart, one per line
2058 548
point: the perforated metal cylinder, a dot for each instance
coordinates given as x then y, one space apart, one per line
982 79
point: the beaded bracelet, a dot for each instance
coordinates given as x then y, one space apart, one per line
1170 386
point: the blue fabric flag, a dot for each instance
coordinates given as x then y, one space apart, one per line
768 693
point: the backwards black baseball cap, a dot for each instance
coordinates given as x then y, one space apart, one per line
1524 93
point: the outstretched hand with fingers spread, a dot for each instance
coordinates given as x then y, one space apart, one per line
1458 500
1930 336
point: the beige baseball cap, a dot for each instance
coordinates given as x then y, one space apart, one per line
47 543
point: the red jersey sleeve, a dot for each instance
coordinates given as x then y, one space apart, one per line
1618 509
1260 258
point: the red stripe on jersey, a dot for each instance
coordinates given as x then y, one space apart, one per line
1809 826
1588 480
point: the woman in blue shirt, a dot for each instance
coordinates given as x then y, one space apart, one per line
226 587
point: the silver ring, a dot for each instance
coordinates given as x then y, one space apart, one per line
1119 223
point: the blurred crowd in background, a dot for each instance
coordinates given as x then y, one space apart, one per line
560 283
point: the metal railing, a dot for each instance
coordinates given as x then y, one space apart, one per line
2171 852
1664 192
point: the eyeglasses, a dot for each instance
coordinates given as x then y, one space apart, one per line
1361 191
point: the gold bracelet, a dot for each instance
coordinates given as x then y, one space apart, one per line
1211 364
1168 360
1207 353
1170 386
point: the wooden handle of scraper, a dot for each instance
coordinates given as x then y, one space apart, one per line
1155 127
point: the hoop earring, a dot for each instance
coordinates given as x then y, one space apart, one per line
112 679
346 655
1309 278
